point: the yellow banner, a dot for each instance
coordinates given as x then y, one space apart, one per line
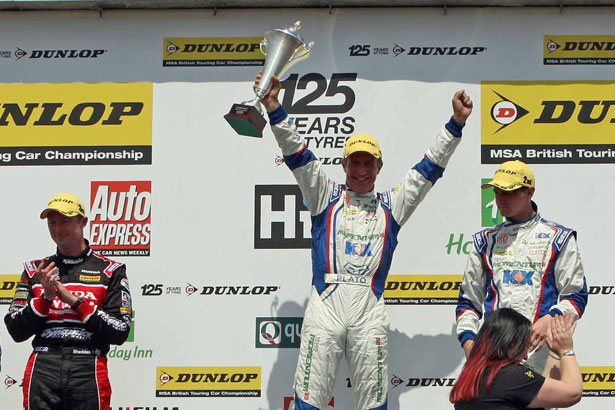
8 284
76 114
599 378
212 51
548 113
580 47
423 287
228 378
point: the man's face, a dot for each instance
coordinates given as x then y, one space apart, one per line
66 232
515 205
361 171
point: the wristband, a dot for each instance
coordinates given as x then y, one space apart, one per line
46 300
78 303
567 353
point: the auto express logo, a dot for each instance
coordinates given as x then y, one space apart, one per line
282 220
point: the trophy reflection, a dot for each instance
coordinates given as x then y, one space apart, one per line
282 49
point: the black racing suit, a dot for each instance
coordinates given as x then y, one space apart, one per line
68 367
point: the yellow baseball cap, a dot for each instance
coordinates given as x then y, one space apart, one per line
66 204
512 175
362 143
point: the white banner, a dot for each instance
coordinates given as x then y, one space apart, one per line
130 104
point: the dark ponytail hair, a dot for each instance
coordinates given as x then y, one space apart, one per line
501 340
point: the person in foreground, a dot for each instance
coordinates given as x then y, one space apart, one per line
494 377
354 234
527 263
75 303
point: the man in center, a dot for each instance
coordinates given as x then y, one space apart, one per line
354 234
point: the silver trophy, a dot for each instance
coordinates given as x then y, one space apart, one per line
282 49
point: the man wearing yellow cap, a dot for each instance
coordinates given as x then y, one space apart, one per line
354 234
526 263
75 303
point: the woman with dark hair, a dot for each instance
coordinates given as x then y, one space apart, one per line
494 378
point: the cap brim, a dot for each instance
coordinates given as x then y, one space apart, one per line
502 187
69 213
367 152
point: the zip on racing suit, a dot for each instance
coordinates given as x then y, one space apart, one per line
532 266
68 367
353 239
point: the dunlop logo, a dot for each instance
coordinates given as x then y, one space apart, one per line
208 382
598 381
579 50
422 289
8 284
212 51
548 122
76 124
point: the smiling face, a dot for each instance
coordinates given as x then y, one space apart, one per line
515 205
67 232
361 171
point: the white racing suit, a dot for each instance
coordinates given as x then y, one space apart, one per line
533 267
353 239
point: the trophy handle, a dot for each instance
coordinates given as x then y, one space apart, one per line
262 45
302 52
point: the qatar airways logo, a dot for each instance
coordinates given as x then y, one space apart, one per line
120 218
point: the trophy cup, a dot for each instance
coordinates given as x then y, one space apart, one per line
282 49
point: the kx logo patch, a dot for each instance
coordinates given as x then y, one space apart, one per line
543 235
518 277
358 249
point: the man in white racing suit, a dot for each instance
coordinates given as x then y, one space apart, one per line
354 234
526 263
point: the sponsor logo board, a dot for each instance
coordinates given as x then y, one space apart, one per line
422 289
321 114
8 284
212 51
34 55
598 381
282 220
579 50
120 217
278 332
230 381
400 49
76 124
490 215
548 122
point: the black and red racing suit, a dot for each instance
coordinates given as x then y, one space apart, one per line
68 367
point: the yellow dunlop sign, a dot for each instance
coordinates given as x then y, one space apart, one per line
548 122
422 289
228 381
212 51
8 284
598 381
76 124
579 50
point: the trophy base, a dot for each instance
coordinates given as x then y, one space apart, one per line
246 120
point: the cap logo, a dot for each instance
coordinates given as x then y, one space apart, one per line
364 142
506 171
